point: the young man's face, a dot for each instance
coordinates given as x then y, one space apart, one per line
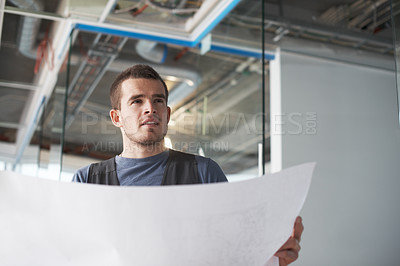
144 114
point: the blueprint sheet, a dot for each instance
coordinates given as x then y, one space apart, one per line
44 222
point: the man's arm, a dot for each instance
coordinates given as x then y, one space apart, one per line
289 252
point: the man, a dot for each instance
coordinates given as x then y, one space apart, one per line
139 108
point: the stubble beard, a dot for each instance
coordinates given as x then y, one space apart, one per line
149 143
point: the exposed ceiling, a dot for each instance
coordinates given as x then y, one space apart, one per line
222 87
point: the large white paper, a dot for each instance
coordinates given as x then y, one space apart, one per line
45 222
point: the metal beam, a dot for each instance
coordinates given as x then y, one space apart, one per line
10 125
33 13
2 5
15 85
328 31
110 5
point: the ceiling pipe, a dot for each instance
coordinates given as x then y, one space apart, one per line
29 27
152 51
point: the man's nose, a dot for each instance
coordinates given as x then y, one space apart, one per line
149 108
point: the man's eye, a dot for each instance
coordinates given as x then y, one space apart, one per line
136 101
159 100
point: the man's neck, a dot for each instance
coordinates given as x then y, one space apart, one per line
142 151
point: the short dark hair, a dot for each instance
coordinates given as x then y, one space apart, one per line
133 72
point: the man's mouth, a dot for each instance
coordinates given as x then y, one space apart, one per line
150 123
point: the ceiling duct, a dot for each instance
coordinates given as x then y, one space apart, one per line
29 27
152 51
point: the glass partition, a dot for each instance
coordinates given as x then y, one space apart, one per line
17 87
395 9
215 92
215 100
32 86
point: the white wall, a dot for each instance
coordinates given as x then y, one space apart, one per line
352 213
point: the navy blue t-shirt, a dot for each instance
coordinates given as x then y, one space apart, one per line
150 171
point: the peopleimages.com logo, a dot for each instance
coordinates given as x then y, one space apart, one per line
230 123
295 123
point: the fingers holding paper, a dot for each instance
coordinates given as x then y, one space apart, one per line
289 252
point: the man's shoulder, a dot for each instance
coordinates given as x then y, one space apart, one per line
81 175
210 170
177 153
201 160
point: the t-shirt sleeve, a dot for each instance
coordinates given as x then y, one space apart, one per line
210 171
81 175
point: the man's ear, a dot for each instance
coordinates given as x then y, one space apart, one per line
168 113
115 117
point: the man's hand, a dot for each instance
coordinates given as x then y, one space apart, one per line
289 252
